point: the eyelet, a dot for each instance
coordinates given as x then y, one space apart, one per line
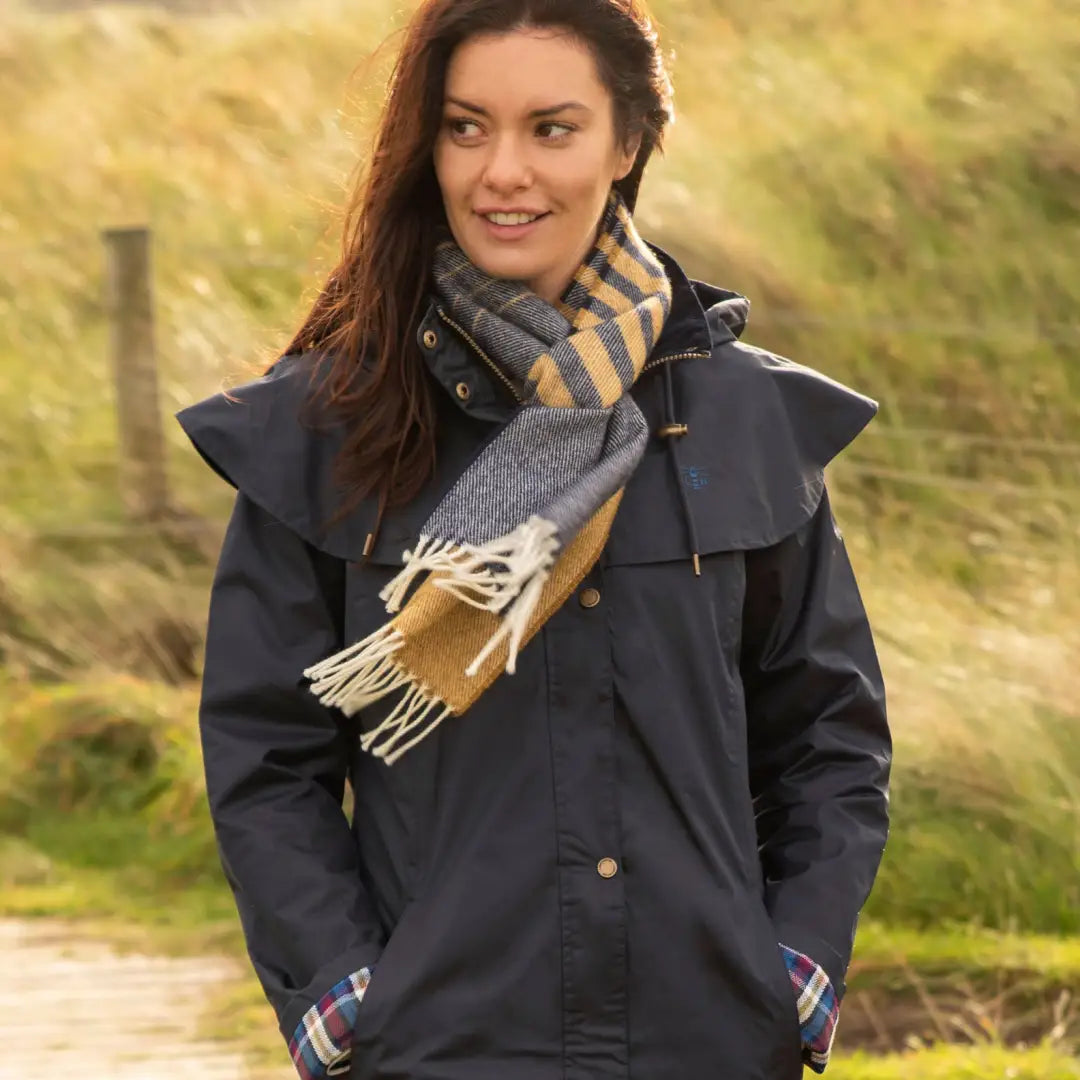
431 339
463 390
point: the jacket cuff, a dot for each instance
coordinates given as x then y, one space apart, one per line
321 1046
819 1008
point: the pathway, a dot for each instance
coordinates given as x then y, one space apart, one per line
71 1006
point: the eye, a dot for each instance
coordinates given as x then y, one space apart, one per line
463 129
552 131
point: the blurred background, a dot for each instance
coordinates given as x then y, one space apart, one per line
896 188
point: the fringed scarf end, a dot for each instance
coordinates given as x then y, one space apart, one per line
515 622
360 674
415 707
487 576
364 673
506 577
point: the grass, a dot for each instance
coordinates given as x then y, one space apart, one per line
103 812
960 948
102 808
901 200
958 1063
844 183
241 1010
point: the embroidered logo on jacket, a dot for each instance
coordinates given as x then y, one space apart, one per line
695 477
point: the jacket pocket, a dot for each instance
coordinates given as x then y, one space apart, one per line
379 997
788 1001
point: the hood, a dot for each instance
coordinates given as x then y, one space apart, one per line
726 312
731 314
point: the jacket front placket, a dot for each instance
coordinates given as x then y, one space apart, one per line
592 897
581 724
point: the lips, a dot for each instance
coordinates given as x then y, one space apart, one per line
511 227
512 217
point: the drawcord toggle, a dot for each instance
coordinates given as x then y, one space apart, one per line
673 431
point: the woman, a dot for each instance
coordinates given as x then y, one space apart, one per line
614 723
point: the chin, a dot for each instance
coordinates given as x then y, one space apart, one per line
501 266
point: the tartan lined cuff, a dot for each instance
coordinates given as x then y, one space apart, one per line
321 1046
818 1007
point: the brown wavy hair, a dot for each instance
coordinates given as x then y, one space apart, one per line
365 320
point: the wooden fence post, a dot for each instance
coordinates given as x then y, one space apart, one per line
129 303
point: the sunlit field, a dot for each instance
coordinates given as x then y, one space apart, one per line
899 195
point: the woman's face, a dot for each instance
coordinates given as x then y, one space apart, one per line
527 154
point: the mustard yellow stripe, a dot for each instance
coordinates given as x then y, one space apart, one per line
634 336
548 380
655 307
587 277
597 362
579 318
565 310
508 304
583 319
624 263
609 246
459 267
607 293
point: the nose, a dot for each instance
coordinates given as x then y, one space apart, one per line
506 168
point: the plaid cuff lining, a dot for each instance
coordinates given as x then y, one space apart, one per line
320 1046
818 1008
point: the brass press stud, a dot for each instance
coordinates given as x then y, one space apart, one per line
607 868
431 339
464 391
677 431
589 598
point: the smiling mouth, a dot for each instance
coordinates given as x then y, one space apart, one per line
512 219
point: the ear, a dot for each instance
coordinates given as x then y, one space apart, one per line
627 156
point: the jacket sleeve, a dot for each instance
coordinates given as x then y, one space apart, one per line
819 744
276 763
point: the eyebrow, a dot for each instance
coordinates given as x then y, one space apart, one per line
550 110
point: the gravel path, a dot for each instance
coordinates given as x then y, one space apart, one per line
75 1007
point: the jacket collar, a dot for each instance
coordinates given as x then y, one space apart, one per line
686 329
479 390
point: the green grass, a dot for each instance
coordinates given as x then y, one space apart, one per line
958 1063
242 1010
961 949
103 813
102 807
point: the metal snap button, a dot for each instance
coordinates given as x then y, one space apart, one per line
464 391
589 598
431 339
607 868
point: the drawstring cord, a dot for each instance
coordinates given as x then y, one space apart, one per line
373 536
384 498
673 431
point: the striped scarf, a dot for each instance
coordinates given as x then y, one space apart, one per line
529 517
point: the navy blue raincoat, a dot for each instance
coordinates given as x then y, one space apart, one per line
586 876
